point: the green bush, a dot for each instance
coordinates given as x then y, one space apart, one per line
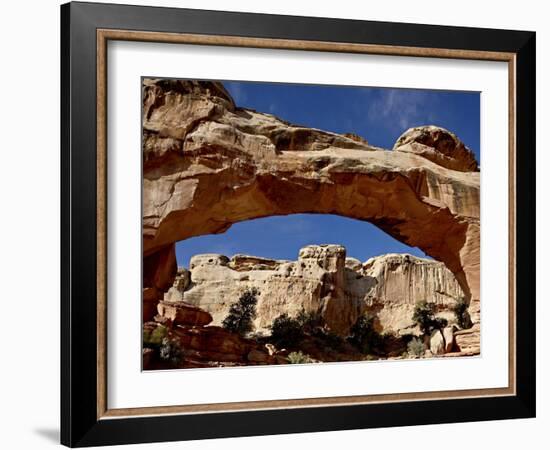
331 340
462 315
165 347
309 320
154 338
312 323
286 331
416 347
424 316
299 358
364 336
242 313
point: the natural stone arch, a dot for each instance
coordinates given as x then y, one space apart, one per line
208 164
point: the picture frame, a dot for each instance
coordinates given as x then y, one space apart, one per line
86 29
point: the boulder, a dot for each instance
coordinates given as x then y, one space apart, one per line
437 343
181 313
449 336
271 349
439 146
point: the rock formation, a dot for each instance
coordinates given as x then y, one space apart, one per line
322 281
438 145
336 289
208 164
201 344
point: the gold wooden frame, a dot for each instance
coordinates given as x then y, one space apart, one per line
103 36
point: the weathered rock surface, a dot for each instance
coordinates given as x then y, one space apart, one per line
182 281
208 164
159 271
401 281
437 343
468 340
181 313
210 346
448 335
438 145
323 281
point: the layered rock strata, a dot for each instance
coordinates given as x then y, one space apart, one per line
322 281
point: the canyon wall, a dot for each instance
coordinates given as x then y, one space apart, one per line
322 281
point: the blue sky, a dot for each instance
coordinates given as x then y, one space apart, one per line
379 115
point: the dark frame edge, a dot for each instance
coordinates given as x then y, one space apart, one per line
65 334
78 227
525 222
301 420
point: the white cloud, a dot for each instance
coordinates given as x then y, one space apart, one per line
400 109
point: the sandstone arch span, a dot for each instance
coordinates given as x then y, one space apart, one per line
208 164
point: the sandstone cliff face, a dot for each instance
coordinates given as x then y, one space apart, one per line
208 164
323 281
401 282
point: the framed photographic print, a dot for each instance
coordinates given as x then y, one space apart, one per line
276 224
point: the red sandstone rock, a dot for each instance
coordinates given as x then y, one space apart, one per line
180 313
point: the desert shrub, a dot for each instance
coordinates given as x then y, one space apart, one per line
309 320
424 316
286 331
460 310
439 323
170 350
364 336
164 347
154 338
299 358
416 347
312 323
331 340
242 313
